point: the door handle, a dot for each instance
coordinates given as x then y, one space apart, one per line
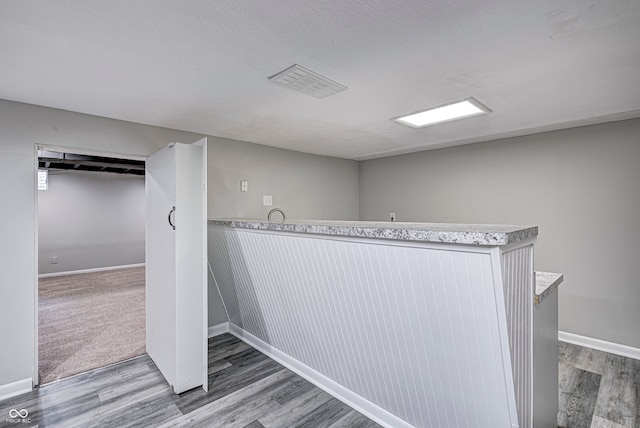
171 217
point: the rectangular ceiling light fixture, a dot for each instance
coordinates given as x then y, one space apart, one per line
308 82
458 110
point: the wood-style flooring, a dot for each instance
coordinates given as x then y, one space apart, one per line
597 389
249 390
246 390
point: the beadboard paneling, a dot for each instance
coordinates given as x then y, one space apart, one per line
411 329
519 290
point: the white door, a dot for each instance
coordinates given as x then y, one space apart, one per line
176 257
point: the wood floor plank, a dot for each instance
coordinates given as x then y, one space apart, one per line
153 411
354 419
590 360
578 393
567 353
150 399
293 410
217 366
145 382
637 383
586 359
254 424
599 422
249 367
238 408
76 410
223 350
296 388
617 397
323 416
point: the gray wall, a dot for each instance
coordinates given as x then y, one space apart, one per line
90 220
304 186
581 186
22 126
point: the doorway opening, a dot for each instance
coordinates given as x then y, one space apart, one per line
91 254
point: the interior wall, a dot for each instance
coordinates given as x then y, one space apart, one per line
23 126
90 220
305 186
580 186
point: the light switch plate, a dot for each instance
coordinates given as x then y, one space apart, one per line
244 185
267 200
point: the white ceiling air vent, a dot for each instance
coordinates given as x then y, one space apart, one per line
306 81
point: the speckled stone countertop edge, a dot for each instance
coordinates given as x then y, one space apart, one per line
467 234
546 282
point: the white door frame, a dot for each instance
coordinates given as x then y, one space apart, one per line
77 151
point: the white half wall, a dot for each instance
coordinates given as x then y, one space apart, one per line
90 220
409 331
579 185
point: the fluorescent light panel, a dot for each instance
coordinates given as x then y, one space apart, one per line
466 108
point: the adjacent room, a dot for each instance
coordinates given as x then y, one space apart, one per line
91 296
320 214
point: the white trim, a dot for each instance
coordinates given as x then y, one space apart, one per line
218 329
16 388
36 261
495 254
100 269
600 345
350 398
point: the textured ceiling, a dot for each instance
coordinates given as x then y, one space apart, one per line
202 66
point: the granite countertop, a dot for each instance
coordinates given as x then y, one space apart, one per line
469 234
546 282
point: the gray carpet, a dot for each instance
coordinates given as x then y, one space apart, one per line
89 320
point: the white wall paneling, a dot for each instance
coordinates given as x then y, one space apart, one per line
519 290
411 328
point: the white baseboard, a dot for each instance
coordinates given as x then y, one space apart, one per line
100 269
218 329
15 388
600 345
350 398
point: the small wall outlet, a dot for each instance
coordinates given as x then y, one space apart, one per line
267 200
392 216
54 260
244 185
